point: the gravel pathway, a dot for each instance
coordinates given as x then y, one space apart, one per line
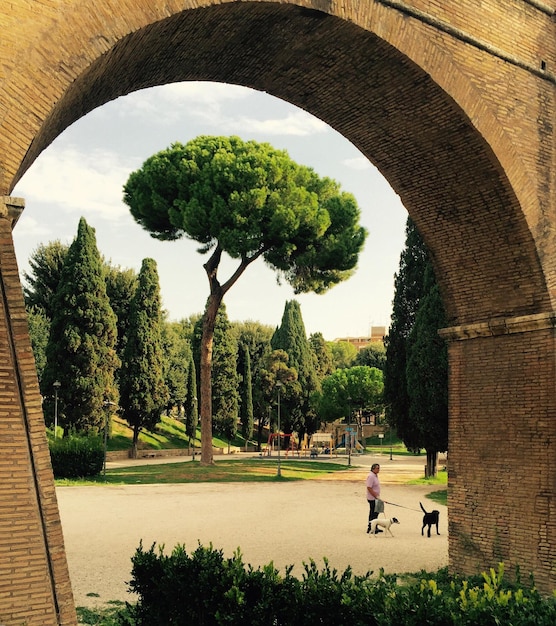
286 523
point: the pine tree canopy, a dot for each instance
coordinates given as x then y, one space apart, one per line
250 199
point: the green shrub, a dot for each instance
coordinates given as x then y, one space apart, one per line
206 589
76 457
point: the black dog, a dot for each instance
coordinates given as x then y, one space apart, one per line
429 519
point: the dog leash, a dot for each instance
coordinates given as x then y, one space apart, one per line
401 506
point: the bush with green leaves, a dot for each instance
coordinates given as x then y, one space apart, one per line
206 589
76 456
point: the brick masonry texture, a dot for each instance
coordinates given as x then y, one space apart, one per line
454 103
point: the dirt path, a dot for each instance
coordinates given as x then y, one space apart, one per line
287 523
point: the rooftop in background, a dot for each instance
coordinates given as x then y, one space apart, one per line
376 336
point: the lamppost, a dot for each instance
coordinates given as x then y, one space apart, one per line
107 404
390 425
269 440
194 412
278 386
56 384
349 431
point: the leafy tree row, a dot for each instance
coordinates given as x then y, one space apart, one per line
244 199
101 329
160 359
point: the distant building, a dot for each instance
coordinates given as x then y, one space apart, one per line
376 336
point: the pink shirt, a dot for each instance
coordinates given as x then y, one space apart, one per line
374 484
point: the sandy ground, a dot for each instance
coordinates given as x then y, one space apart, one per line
286 523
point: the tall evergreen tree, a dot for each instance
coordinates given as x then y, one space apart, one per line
416 373
39 331
323 355
290 336
427 373
120 287
81 349
408 291
41 283
177 355
190 402
246 392
276 370
225 380
256 339
143 392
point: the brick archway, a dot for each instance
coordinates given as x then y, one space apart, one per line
459 125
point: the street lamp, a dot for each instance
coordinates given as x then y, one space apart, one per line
107 404
56 384
390 425
270 440
349 431
278 386
194 410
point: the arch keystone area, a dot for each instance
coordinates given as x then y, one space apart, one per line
455 111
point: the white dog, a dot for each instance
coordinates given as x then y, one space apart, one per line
385 522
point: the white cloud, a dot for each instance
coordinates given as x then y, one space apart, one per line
297 123
166 105
358 163
29 227
215 105
78 182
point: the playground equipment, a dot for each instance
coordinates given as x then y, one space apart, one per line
356 445
323 443
292 445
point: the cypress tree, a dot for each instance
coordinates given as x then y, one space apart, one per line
255 337
225 379
407 295
177 355
416 373
290 336
41 283
120 287
190 403
81 348
143 392
246 393
39 331
427 373
322 355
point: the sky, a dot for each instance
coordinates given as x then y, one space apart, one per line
82 174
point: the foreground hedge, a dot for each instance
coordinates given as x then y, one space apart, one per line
206 589
76 457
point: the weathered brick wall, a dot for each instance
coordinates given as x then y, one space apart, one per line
34 582
503 466
452 100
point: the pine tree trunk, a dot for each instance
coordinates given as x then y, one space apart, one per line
217 292
207 340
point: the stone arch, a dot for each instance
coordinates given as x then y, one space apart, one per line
461 128
418 135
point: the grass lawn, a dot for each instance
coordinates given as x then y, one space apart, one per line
441 478
240 470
